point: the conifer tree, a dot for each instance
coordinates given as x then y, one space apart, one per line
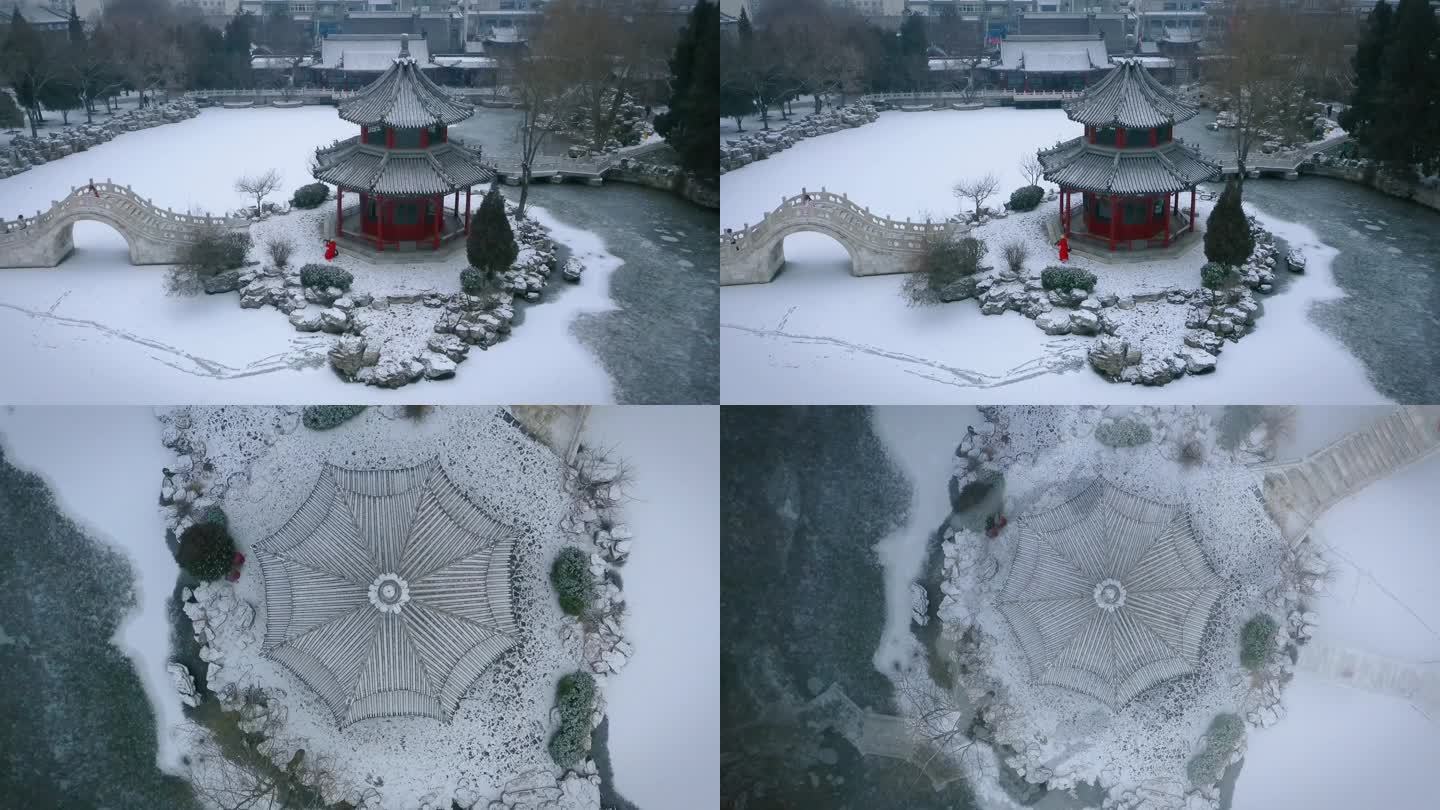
1367 60
1228 239
1405 131
491 247
692 126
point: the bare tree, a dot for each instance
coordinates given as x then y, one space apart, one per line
279 249
258 186
1260 75
977 190
1032 170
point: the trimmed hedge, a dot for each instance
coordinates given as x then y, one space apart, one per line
1220 741
325 417
323 275
475 282
206 551
1067 278
311 195
1026 198
1122 433
1214 275
1257 638
575 699
570 575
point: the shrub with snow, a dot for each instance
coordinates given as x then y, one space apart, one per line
1220 741
310 195
1256 640
325 417
1228 239
945 271
1026 198
1067 278
320 275
476 282
570 575
491 245
1122 433
206 551
1214 275
574 699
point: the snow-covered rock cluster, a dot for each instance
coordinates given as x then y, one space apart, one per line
760 145
629 126
540 790
598 485
393 338
210 607
25 152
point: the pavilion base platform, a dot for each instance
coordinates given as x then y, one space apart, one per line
1127 251
354 242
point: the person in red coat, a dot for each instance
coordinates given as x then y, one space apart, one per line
331 250
1064 248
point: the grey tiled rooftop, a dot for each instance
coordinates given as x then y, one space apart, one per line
1128 96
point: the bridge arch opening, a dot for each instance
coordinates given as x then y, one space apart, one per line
812 250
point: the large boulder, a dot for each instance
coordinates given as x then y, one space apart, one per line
1084 322
223 282
959 289
1109 356
349 355
306 320
1054 322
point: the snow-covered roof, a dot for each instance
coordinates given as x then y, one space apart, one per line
281 62
388 592
1053 54
465 62
404 97
368 52
1128 97
1168 167
1109 593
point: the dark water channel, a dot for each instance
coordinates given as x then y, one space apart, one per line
662 344
1388 265
805 494
76 727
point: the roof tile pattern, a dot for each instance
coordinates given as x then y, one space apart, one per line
403 96
438 169
1128 96
1145 630
1169 167
412 528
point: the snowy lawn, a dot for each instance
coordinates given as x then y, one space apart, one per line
818 334
103 466
98 323
664 706
1340 747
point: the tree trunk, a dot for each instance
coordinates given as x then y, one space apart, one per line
524 188
817 103
34 126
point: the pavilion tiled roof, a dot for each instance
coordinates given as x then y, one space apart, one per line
1084 166
1128 96
404 97
1109 593
438 169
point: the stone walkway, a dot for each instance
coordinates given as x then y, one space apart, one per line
1297 493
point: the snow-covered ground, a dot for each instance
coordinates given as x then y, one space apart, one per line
664 707
921 442
1341 747
818 334
103 466
98 323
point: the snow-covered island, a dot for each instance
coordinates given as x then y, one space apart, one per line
406 608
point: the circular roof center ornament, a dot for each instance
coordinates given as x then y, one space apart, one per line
1109 594
389 592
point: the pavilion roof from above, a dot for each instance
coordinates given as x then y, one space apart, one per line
1129 97
1083 166
403 96
438 169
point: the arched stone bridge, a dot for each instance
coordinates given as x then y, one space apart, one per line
876 244
155 235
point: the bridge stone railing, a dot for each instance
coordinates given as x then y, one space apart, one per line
133 215
850 219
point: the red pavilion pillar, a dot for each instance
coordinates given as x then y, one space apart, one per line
1192 208
1114 221
467 210
1165 212
380 212
439 213
339 209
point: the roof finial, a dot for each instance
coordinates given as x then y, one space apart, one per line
404 44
